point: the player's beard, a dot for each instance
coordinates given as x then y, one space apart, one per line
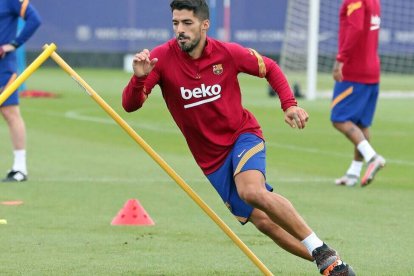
189 46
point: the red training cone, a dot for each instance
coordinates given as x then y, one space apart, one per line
37 94
132 214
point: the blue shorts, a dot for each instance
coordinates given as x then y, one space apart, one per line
248 153
354 102
5 80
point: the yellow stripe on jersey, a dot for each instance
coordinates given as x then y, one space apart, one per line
24 7
353 7
262 66
342 96
247 156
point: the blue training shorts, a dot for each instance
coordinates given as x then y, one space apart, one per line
5 80
248 153
354 102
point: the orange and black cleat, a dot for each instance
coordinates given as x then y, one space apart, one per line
329 263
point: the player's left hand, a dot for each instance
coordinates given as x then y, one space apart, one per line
296 117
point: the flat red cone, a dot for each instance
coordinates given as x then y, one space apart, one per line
37 94
14 202
132 214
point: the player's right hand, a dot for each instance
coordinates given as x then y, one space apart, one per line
337 71
142 64
6 48
2 52
296 117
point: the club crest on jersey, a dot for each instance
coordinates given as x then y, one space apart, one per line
218 69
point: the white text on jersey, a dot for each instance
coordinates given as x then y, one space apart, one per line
375 22
205 93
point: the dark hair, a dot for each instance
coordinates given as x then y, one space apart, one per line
199 7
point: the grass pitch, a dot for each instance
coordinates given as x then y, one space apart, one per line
83 168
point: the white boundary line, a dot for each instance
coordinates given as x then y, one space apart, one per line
331 153
76 115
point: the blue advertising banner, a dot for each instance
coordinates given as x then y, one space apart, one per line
125 26
103 25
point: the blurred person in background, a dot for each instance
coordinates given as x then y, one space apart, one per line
198 80
10 40
357 75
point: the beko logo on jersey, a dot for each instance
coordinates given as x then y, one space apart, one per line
205 93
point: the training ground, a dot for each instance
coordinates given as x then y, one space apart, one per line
83 168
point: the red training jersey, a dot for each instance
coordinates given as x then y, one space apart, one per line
203 95
359 27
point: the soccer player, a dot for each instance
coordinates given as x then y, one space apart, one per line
198 80
10 11
357 73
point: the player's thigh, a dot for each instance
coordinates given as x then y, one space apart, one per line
250 181
246 155
249 163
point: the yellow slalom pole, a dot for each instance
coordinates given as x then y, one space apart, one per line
27 72
161 162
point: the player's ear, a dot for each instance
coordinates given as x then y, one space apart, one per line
205 25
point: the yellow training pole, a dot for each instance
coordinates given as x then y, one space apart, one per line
162 163
26 73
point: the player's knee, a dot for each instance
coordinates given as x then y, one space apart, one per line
264 225
253 197
259 219
12 119
337 125
11 113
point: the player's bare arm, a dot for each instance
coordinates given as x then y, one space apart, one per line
142 64
296 117
337 71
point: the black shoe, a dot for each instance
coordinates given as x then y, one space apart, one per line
329 263
14 176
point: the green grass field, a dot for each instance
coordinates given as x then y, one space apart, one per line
83 168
